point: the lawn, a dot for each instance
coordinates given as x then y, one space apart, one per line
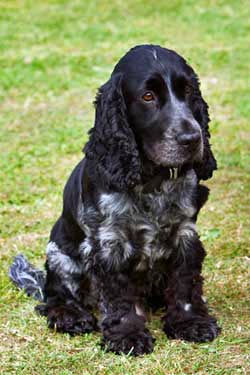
53 56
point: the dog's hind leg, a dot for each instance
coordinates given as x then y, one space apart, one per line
67 287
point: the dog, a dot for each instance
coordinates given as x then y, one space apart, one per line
126 240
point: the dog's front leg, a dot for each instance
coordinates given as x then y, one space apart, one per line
187 314
122 322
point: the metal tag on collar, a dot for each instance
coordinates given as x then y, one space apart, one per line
173 173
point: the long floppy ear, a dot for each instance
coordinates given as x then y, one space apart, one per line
205 168
111 150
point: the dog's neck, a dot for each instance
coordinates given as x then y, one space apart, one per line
153 175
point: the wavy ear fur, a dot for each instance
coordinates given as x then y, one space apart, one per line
111 150
204 169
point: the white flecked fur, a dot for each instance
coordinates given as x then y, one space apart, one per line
85 247
60 262
155 54
187 307
63 265
115 203
125 216
204 299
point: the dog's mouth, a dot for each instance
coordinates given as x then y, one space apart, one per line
172 155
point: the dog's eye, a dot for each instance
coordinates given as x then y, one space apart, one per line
148 96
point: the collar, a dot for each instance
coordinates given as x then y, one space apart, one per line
173 173
154 184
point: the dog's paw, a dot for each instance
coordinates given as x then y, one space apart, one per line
84 323
66 320
135 344
199 329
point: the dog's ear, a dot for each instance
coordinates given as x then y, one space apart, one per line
205 168
112 150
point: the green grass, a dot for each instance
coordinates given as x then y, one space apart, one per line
53 56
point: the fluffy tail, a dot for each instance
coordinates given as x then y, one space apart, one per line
26 277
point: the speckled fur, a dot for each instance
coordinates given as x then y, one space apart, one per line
126 240
142 224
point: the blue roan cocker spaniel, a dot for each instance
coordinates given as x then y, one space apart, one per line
126 239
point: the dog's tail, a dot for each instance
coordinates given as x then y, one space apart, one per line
27 277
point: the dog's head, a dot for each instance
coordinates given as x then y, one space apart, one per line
150 108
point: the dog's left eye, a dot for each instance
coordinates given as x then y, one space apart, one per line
148 96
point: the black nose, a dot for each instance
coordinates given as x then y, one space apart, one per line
188 138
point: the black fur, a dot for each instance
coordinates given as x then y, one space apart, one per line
126 239
112 153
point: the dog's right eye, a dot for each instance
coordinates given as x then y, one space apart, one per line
148 96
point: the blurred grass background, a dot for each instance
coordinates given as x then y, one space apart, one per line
53 56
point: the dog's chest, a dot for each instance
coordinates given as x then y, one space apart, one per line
145 225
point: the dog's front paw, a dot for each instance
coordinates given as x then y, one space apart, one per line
198 329
135 343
